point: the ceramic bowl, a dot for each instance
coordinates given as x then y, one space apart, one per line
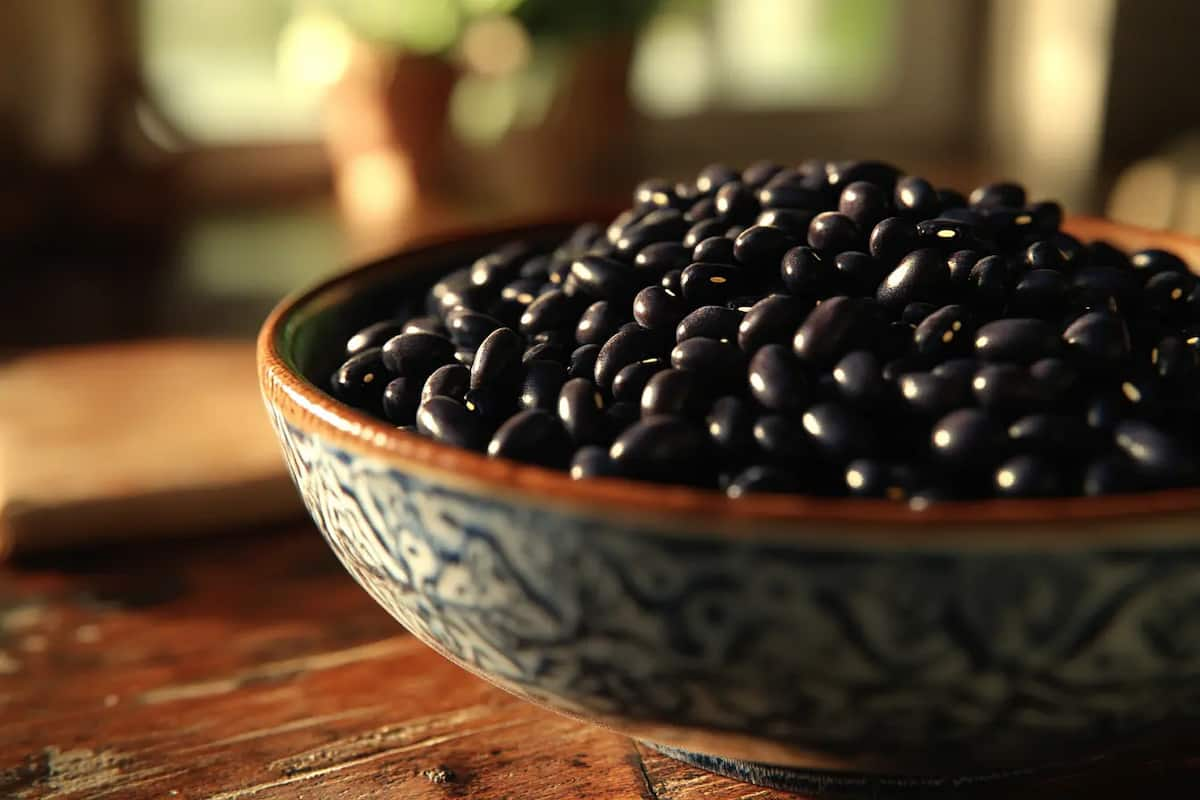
803 643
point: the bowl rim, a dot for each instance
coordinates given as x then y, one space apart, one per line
311 408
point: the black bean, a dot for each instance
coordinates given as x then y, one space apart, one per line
730 425
591 461
807 272
400 400
601 279
773 319
455 289
624 220
831 232
679 392
534 436
762 478
417 354
554 309
1010 390
660 225
662 448
761 247
360 380
580 239
1153 261
932 395
736 202
915 198
710 321
373 336
703 209
621 415
719 359
915 313
715 250
1167 294
448 421
425 325
859 378
702 230
794 221
777 380
1159 458
1017 340
501 266
498 359
672 281
1056 436
902 365
1072 250
960 263
966 438
1097 339
491 405
710 284
1028 476
631 343
920 275
1056 375
857 273
892 239
657 309
782 441
581 408
465 357
1174 361
451 380
988 284
1047 216
1010 195
655 192
469 328
944 333
541 385
786 193
1105 288
659 257
842 173
1043 255
1113 474
599 322
950 199
961 370
864 203
834 328
948 234
713 176
1039 293
839 433
632 379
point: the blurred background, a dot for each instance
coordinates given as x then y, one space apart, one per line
174 166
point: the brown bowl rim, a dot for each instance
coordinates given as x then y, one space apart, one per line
317 412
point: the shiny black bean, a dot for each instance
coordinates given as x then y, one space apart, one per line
703 209
786 193
857 273
1043 255
915 198
448 421
491 405
782 441
581 408
451 380
400 400
859 378
631 343
580 239
591 461
623 221
657 258
864 203
947 332
715 250
706 284
962 370
703 230
831 233
988 285
711 321
713 176
553 310
902 365
793 221
417 354
1057 436
1039 293
915 313
868 477
672 281
948 233
469 328
777 380
534 436
541 385
655 192
1072 250
679 392
1112 474
834 328
601 279
1018 340
950 199
960 263
1097 339
736 202
1028 476
1167 296
657 309
1059 377
1174 361
1106 288
660 225
892 239
662 448
425 325
839 433
599 322
840 174
374 336
1159 458
761 479
498 359
761 247
360 380
931 395
806 272
734 231
730 425
760 172
1153 261
773 319
920 275
966 438
627 387
498 268
1010 195
1009 390
717 359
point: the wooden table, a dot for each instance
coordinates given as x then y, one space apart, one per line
253 667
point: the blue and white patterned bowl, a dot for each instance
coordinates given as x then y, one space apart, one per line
795 642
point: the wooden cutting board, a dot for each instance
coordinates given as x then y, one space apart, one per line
119 441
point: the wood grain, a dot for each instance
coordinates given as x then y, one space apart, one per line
253 667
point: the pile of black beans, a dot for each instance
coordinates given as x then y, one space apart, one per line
827 329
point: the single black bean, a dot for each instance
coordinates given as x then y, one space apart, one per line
580 239
944 333
966 438
920 275
592 461
1059 377
831 232
661 448
730 425
660 225
834 328
839 433
719 359
948 233
960 263
1057 436
787 193
498 359
840 174
807 272
659 257
715 250
360 380
453 290
1106 288
762 478
761 247
417 354
554 309
498 268
793 221
491 405
710 321
988 284
1010 195
1153 261
961 369
703 209
702 230
902 365
1167 296
623 221
450 380
631 343
773 319
400 400
1018 340
448 421
915 198
373 336
1097 339
859 378
864 203
736 202
1009 389
931 395
602 278
705 284
1159 458
1043 255
657 309
892 239
469 328
1028 476
679 392
672 281
915 313
632 379
655 192
534 436
428 324
857 273
1039 293
714 176
1174 361
581 408
541 385
777 380
599 322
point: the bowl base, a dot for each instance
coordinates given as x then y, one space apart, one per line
838 785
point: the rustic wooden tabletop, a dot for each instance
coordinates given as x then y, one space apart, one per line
255 668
